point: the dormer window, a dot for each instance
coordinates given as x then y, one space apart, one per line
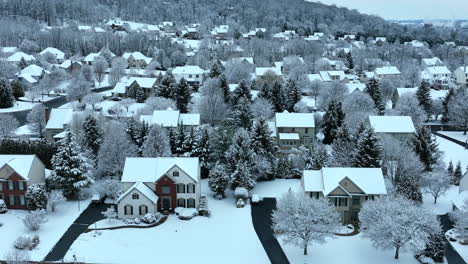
135 196
175 173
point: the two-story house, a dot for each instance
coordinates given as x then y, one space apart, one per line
346 188
399 127
58 121
148 85
171 119
190 73
58 54
17 172
136 60
294 129
387 72
439 76
461 76
158 184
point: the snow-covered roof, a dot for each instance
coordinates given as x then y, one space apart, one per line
91 57
369 75
288 136
242 59
17 56
56 52
141 169
356 85
369 180
20 163
143 82
435 94
9 49
314 77
260 71
188 69
68 63
136 56
332 75
286 119
438 70
143 189
166 118
392 124
387 70
460 201
463 69
59 117
32 70
432 61
27 78
189 119
119 88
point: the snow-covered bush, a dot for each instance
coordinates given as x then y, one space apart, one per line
110 214
241 193
33 220
36 197
435 249
151 218
240 203
110 189
26 242
187 213
137 221
203 209
3 208
55 198
16 256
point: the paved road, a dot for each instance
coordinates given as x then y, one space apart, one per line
452 256
261 218
89 216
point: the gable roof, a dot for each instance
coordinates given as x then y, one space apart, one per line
188 69
286 119
143 82
151 169
56 52
59 117
68 63
16 57
143 189
387 70
392 124
22 164
32 70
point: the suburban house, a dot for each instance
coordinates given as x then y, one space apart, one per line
171 119
461 76
435 94
399 127
58 54
347 188
19 56
220 32
431 62
415 44
439 76
387 72
17 172
168 26
59 118
136 60
192 74
329 76
147 84
158 184
32 74
70 66
294 129
89 59
355 86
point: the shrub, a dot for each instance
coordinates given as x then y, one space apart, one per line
3 208
110 189
151 218
36 197
240 203
26 242
187 213
34 220
241 193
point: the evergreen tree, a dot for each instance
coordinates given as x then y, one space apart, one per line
277 97
36 197
342 146
265 91
450 171
262 142
318 157
167 86
242 113
189 142
425 147
156 143
457 174
223 83
216 69
180 141
131 92
332 120
140 95
241 91
241 160
218 180
445 104
374 91
202 150
17 88
92 134
408 187
72 171
294 95
423 93
435 249
183 95
6 96
172 141
368 150
349 61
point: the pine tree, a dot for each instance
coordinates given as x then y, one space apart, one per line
156 143
435 249
92 134
457 174
332 120
349 61
318 157
425 147
189 142
445 104
166 87
342 146
242 114
202 150
241 91
423 93
172 141
374 91
408 188
17 89
218 180
72 171
241 160
294 95
262 142
183 96
6 96
277 97
216 69
368 151
265 91
140 95
180 141
223 83
450 171
131 92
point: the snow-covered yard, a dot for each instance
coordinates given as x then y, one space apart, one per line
227 236
274 189
453 152
49 233
349 250
462 250
18 106
455 135
444 203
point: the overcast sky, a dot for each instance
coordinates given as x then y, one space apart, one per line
408 9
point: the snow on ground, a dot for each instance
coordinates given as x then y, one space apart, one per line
274 189
453 152
309 101
462 250
24 131
49 233
444 203
40 98
349 250
132 110
458 135
104 83
227 236
18 106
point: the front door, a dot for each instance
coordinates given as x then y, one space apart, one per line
166 203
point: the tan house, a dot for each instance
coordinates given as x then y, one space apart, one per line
147 84
399 127
158 184
136 60
461 76
171 119
347 188
59 118
294 129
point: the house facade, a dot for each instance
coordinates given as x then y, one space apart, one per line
159 184
136 60
387 72
294 129
17 172
148 85
172 119
190 73
461 76
346 188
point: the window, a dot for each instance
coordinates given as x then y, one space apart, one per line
317 195
143 209
21 185
191 203
10 185
341 202
356 200
197 76
190 76
12 200
128 210
180 202
166 189
1 186
1 196
21 200
293 129
191 188
175 173
135 196
307 130
180 188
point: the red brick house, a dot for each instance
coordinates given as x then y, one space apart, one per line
17 172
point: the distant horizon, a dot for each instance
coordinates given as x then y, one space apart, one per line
407 9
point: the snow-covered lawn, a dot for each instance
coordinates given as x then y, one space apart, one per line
24 131
274 189
226 237
453 152
104 83
349 250
455 135
18 106
49 233
309 101
462 250
40 98
444 203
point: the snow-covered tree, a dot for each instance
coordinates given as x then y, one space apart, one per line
216 69
408 105
398 223
202 149
34 219
240 159
435 249
36 197
242 114
458 109
301 220
127 102
373 89
91 134
450 171
457 174
109 188
72 171
156 143
92 99
242 91
55 197
332 92
8 125
218 180
78 89
460 218
342 147
368 150
436 183
37 119
16 256
262 142
333 119
262 109
6 94
110 214
426 147
17 88
183 96
100 66
423 94
86 73
294 95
